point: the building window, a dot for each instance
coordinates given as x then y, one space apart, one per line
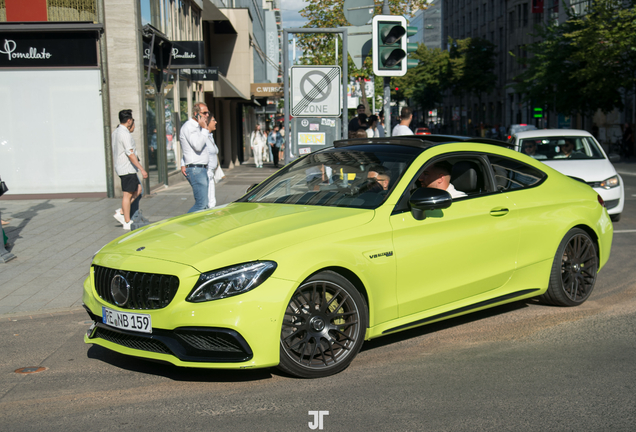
71 10
511 22
525 14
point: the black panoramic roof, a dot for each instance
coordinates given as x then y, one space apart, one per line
420 141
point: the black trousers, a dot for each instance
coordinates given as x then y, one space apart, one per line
275 151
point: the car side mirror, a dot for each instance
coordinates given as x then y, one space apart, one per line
251 187
614 158
428 199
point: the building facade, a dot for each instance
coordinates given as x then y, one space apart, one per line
156 57
509 24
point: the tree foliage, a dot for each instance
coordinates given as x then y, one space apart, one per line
582 65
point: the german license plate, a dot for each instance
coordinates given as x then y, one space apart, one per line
127 320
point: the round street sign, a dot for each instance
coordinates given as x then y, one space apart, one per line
316 91
358 12
310 81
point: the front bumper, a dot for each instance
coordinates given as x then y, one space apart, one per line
233 333
614 198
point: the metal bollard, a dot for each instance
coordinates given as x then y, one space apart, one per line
5 255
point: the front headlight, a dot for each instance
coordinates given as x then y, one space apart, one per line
611 182
231 281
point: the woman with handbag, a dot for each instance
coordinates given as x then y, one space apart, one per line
213 163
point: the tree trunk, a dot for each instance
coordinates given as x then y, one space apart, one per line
363 90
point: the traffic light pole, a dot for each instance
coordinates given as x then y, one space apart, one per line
387 86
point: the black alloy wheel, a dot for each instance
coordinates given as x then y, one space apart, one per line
573 271
324 327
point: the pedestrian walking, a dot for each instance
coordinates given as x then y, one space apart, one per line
406 116
258 141
127 166
275 141
381 133
194 137
372 131
213 163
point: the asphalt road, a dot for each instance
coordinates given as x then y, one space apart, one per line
520 367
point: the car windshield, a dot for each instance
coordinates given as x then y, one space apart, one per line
357 177
561 147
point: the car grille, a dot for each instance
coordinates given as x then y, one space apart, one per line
212 342
130 341
190 344
147 290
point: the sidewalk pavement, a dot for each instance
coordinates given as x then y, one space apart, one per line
54 239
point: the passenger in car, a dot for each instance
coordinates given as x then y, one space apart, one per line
530 148
566 150
380 174
438 176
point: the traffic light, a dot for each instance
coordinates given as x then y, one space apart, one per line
537 112
391 47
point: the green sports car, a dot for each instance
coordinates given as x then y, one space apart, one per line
350 243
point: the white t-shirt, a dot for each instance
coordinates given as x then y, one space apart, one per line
123 145
399 130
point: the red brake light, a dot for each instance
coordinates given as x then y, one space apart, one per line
509 136
600 200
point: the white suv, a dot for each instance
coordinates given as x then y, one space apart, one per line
576 153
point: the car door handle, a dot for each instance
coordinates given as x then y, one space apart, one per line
499 212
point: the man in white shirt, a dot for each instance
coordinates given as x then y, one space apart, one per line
438 176
194 137
126 165
213 152
405 120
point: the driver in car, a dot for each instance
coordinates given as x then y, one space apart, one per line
438 176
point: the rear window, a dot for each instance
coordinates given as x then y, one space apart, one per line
561 147
511 174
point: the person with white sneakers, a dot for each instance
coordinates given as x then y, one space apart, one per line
258 141
126 165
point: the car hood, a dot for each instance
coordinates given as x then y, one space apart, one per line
235 233
589 170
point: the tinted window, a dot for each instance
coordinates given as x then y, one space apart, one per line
358 177
511 174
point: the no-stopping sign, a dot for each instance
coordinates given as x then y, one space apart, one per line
315 91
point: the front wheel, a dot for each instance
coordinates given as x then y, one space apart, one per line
324 327
574 270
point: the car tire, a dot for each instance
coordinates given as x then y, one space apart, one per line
574 270
615 217
324 327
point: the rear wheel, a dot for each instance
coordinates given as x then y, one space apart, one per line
573 271
324 327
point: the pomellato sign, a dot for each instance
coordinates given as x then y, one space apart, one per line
187 55
48 49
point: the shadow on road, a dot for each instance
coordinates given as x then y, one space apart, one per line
170 371
443 325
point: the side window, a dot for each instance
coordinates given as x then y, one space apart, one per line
511 174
